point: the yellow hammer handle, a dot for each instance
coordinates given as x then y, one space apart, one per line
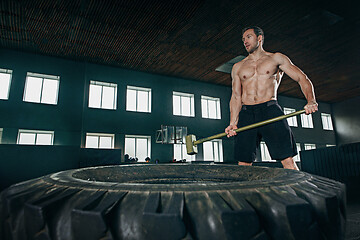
220 135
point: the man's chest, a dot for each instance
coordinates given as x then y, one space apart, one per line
261 67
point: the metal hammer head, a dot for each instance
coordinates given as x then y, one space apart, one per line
191 148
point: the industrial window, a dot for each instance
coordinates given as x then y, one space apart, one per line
265 155
35 137
292 121
213 150
183 104
309 146
41 88
102 95
306 121
210 107
297 157
99 140
180 153
138 147
5 82
1 133
326 121
138 99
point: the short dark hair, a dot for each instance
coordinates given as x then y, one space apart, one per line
258 31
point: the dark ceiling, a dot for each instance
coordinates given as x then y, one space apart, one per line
191 38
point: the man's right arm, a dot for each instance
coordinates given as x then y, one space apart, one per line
235 101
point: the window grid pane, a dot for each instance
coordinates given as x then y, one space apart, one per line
130 146
106 142
33 89
178 153
43 139
50 91
141 149
176 105
204 108
95 96
212 109
208 151
92 142
108 98
131 100
142 101
27 138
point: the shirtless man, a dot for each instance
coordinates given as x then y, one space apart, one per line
255 81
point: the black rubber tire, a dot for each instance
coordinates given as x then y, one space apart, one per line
174 201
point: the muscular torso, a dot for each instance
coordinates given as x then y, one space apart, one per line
259 79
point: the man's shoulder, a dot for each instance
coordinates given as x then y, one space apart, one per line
278 55
239 64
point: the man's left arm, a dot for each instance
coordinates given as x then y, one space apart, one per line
300 77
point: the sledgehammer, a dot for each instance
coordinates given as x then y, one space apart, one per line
191 143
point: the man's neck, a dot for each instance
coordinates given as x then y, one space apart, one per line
258 53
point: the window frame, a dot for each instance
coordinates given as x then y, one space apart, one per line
1 134
311 145
43 77
7 71
326 117
102 85
292 121
191 96
148 138
182 153
148 91
99 135
264 152
205 101
297 157
220 153
307 121
36 132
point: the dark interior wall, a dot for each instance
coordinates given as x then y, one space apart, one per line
65 117
347 121
71 118
316 135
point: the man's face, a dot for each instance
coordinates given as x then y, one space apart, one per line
250 40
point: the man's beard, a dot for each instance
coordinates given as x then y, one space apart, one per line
251 50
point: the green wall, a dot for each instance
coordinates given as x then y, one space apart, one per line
70 119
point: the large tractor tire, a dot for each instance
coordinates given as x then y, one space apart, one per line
174 201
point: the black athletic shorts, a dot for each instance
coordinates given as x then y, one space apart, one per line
277 136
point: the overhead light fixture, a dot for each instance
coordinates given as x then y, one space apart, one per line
227 67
